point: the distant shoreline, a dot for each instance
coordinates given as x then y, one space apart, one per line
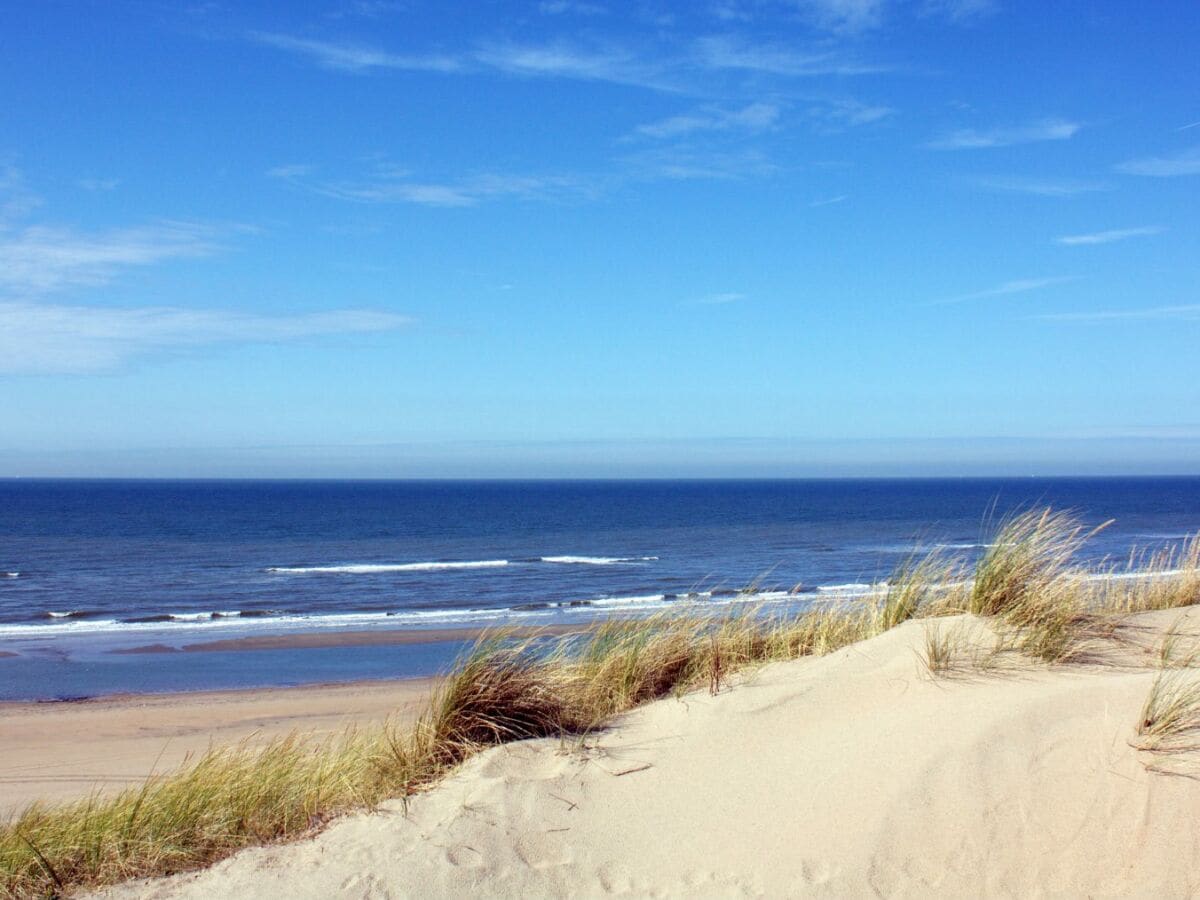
309 640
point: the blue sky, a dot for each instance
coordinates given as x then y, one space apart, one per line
588 238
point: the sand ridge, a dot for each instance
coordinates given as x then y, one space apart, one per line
853 774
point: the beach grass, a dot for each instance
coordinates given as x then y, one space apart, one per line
1027 588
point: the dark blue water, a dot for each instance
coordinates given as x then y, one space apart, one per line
91 566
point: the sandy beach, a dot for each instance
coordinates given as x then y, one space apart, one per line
854 774
64 751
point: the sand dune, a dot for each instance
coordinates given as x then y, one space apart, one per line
854 774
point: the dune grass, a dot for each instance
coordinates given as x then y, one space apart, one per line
1027 587
1170 717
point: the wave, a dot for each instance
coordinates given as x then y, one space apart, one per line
378 568
596 560
11 574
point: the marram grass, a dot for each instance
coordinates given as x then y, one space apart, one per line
1027 585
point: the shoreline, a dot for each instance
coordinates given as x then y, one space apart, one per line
308 640
63 750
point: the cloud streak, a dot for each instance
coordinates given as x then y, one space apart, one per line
1107 237
1017 286
45 339
1187 312
1040 187
1185 163
38 259
347 57
751 118
1007 136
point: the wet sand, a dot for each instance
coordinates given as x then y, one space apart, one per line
313 639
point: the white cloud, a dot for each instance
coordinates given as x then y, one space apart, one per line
59 339
1107 237
1042 187
1185 163
845 15
563 60
41 258
392 185
724 52
354 57
974 139
829 201
958 10
836 114
16 199
1017 286
691 164
730 297
570 7
753 117
1187 312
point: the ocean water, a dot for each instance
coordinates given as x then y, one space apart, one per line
89 567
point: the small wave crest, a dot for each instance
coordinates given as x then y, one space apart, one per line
11 574
382 568
596 560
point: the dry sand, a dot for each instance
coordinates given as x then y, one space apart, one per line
855 774
63 751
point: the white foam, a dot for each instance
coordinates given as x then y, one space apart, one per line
60 615
597 560
12 574
853 586
376 568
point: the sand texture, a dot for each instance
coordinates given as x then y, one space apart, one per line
855 774
64 751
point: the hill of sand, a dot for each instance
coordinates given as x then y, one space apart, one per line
854 774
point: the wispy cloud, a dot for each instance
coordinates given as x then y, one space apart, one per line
727 52
1187 312
829 201
348 57
570 7
844 15
720 299
958 10
386 184
565 60
1042 187
1017 286
60 339
1006 136
1184 163
693 164
751 118
1108 237
836 114
1188 126
16 199
37 259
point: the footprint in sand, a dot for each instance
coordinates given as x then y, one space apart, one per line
464 857
540 851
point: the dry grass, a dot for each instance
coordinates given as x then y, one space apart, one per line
1170 717
943 648
1026 587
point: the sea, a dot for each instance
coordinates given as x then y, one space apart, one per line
90 570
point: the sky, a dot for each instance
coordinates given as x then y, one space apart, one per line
569 238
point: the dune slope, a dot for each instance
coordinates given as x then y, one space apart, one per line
854 774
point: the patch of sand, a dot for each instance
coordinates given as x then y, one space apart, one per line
64 751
